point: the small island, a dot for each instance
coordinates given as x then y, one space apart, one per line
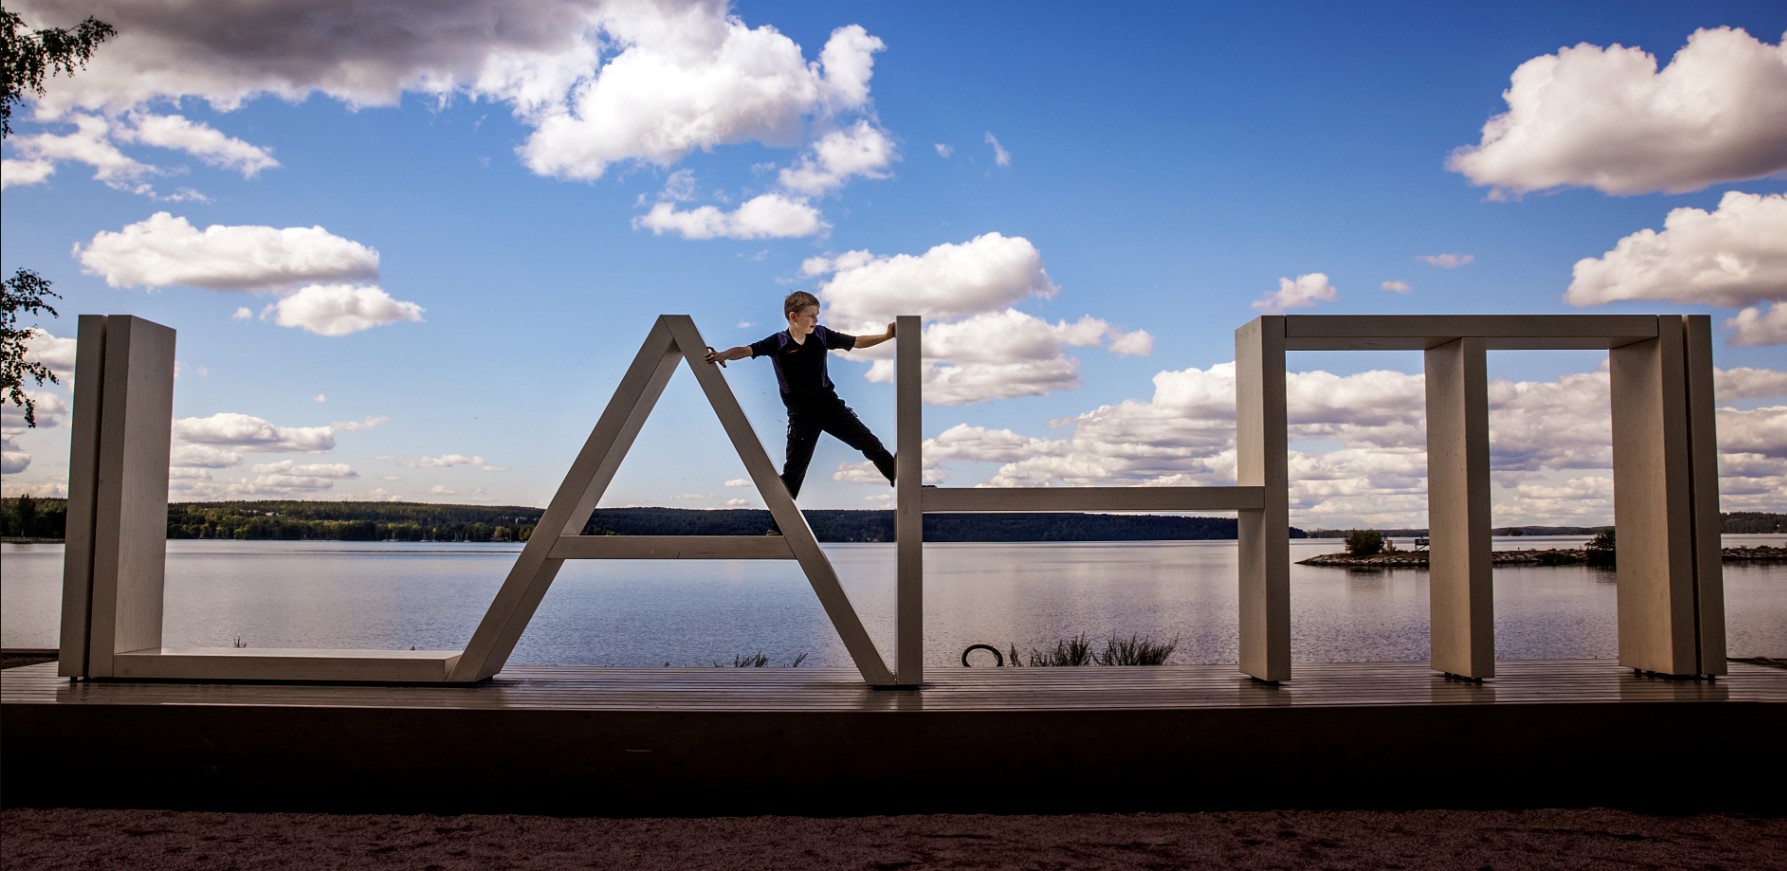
1417 559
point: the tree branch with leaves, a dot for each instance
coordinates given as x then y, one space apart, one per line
30 56
26 291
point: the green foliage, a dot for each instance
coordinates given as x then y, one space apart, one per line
877 526
24 292
1072 651
29 56
1364 542
25 517
290 520
758 660
1557 558
1752 522
32 55
1601 550
1135 651
1078 651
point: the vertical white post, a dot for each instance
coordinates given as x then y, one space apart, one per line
1462 616
1653 504
83 497
1263 536
1709 573
909 518
119 466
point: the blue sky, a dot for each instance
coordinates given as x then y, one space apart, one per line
1084 205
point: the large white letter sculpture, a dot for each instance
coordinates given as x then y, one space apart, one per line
1666 502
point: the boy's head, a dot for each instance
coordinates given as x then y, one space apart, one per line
797 302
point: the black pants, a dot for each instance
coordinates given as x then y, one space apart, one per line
804 427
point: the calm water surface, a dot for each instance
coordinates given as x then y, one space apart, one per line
630 613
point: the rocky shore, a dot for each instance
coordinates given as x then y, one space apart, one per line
1417 559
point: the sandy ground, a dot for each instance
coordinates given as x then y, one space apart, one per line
1591 838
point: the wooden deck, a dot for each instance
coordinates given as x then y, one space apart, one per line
750 741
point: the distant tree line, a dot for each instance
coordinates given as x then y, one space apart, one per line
291 520
1752 523
284 520
350 521
25 517
833 525
1730 523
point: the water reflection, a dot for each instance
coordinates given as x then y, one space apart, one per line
644 613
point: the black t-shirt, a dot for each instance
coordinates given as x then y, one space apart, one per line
800 367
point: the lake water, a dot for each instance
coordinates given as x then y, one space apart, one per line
636 613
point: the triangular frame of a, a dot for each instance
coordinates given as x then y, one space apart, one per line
673 339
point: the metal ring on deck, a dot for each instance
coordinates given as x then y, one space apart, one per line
998 658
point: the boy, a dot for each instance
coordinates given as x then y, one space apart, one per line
813 405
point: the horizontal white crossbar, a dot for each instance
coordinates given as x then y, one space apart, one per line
1499 332
943 499
275 664
672 547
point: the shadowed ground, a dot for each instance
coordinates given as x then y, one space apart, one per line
1584 838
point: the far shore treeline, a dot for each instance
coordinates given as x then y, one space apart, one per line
44 519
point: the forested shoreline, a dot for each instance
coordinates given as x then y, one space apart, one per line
44 519
294 520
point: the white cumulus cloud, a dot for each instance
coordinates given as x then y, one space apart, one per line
693 79
1732 256
599 82
368 422
1300 292
51 410
165 250
41 346
767 216
988 272
1000 355
17 173
1446 261
342 309
200 140
89 143
1753 326
249 433
1139 343
863 150
1607 118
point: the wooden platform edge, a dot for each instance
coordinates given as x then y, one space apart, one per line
665 762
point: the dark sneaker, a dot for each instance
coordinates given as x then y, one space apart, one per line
773 531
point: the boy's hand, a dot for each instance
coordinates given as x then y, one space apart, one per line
890 330
714 357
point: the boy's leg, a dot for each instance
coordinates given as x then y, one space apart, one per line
803 436
850 430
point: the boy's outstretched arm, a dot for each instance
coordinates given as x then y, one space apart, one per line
872 341
736 353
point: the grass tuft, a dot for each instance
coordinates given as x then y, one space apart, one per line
757 660
1078 651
